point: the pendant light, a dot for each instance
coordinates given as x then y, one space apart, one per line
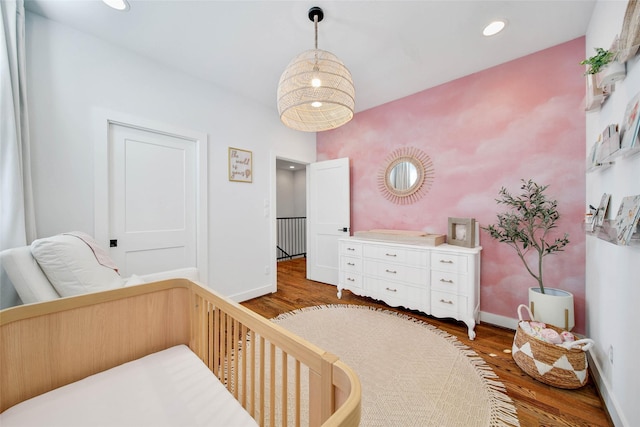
315 91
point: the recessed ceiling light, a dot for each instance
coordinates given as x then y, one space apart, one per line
292 167
494 28
117 4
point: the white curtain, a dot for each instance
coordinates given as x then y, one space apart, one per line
17 218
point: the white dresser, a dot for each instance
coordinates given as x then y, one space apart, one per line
443 281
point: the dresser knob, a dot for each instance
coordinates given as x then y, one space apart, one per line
350 279
446 261
391 271
446 302
350 263
392 290
446 281
393 255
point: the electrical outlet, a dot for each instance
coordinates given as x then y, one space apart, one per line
611 354
266 270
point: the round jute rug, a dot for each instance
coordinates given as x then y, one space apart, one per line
412 373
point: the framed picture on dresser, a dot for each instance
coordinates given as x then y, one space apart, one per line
462 232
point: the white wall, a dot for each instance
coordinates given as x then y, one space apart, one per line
70 74
612 272
285 206
291 193
300 192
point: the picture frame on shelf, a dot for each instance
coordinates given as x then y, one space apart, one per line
610 141
595 160
627 219
462 232
601 213
630 123
240 165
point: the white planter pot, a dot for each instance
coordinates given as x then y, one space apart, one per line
613 72
554 307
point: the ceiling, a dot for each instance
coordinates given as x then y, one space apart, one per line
392 48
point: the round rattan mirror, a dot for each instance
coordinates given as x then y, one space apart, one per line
406 175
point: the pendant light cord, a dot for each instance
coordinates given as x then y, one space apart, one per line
315 23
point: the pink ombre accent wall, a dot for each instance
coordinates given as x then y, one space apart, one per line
522 119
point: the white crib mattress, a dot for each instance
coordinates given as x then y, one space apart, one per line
170 388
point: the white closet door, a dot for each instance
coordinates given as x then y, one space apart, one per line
152 200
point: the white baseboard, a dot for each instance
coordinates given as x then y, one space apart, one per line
610 402
496 319
253 293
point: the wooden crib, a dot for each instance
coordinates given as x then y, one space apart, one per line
48 345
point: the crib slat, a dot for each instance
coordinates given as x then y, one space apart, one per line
297 395
272 385
284 394
210 326
252 390
262 382
216 342
236 355
244 349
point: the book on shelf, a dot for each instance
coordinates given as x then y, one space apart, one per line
627 219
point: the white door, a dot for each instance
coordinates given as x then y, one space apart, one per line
152 200
328 216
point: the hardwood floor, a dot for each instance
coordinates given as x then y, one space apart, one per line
537 404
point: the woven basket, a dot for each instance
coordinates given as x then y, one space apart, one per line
549 363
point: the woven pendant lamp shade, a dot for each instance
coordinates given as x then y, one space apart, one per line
315 91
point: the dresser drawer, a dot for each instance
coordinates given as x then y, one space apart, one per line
351 264
443 261
351 249
396 272
446 281
444 304
350 280
397 294
395 254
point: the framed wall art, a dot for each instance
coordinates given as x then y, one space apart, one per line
240 165
462 232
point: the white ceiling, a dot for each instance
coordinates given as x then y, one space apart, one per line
393 48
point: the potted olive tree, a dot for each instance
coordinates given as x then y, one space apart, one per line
526 227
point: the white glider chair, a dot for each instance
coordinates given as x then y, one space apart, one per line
70 264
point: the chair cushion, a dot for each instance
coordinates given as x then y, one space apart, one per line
71 266
26 275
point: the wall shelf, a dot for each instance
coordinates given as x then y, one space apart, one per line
600 166
608 233
623 153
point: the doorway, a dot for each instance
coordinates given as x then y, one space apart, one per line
291 210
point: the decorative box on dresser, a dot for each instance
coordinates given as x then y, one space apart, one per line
443 281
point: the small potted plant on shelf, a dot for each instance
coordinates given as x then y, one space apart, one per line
605 67
526 227
598 61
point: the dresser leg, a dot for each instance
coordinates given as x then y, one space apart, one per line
471 324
